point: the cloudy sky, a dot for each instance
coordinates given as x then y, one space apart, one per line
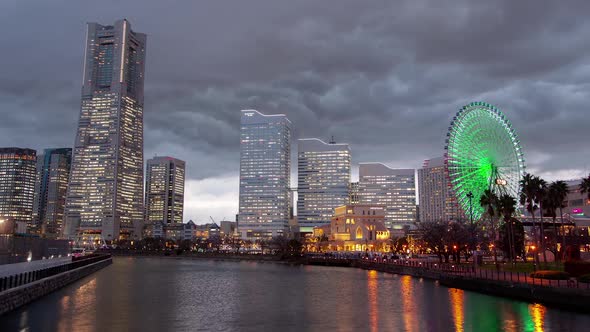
385 76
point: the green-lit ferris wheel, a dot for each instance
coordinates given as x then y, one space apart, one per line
482 152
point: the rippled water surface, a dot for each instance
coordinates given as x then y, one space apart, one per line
159 294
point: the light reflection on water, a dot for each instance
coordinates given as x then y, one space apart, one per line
372 292
157 294
408 301
457 307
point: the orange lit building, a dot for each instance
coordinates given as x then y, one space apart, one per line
357 227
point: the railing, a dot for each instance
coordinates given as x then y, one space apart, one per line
24 278
450 269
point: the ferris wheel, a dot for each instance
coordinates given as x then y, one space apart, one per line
482 152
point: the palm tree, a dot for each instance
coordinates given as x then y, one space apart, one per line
585 186
507 207
540 194
558 191
527 198
489 201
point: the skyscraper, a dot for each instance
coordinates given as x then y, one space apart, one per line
265 170
105 192
53 171
17 184
394 189
323 181
164 190
353 194
437 201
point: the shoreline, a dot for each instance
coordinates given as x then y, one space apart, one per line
569 299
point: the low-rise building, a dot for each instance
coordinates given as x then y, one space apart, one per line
174 232
357 227
228 228
206 231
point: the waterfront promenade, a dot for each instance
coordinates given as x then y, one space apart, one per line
22 284
16 268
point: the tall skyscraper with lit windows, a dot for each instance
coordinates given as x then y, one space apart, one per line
323 181
437 201
394 189
105 192
164 190
17 184
53 172
265 171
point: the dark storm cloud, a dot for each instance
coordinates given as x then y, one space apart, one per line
385 76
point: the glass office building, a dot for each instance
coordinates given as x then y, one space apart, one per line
17 184
105 193
53 171
437 200
323 181
164 190
393 189
265 170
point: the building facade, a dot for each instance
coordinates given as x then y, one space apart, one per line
53 172
105 191
436 199
164 190
357 227
265 171
354 197
17 185
394 189
578 204
323 181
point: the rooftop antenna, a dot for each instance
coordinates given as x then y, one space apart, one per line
332 141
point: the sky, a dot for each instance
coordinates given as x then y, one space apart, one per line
384 76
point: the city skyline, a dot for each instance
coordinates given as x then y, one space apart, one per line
199 105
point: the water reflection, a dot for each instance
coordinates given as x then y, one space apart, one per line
156 294
538 315
456 298
372 292
70 305
408 298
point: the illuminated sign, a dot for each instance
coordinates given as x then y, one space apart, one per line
577 211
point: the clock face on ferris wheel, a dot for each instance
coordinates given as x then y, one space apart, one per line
482 152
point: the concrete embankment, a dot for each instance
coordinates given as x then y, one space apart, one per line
16 297
575 299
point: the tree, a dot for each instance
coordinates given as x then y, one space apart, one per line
280 244
585 186
555 199
185 245
506 206
512 231
444 239
398 244
215 242
489 201
295 246
435 237
533 191
541 194
527 198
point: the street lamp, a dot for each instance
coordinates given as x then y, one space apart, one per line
470 196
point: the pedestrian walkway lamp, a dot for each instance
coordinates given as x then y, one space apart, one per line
470 196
